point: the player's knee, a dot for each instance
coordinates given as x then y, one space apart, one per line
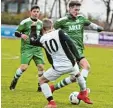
40 67
88 67
85 65
42 80
23 67
73 78
77 75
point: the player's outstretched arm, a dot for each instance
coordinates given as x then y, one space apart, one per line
99 29
35 42
96 27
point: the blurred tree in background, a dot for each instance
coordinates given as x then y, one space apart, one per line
13 11
109 14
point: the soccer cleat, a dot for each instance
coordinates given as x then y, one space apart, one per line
51 104
52 88
83 95
13 84
39 88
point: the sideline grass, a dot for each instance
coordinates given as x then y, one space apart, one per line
100 80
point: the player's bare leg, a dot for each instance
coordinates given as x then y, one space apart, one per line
85 67
40 73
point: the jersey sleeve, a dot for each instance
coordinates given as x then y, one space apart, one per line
86 21
21 27
70 45
57 24
35 41
19 30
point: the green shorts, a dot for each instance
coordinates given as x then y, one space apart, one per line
81 54
32 53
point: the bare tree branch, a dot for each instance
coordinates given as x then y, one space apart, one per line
111 19
60 8
45 6
104 2
32 2
108 10
66 2
36 1
51 11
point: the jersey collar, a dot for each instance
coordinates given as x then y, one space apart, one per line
35 20
70 16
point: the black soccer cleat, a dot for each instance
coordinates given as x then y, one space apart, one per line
13 84
39 88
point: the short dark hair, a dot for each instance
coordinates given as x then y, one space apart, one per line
74 3
35 7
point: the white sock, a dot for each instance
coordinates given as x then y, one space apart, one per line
82 83
84 73
46 90
68 80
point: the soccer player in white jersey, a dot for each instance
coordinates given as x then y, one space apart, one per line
61 54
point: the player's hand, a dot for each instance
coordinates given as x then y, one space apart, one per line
23 36
99 29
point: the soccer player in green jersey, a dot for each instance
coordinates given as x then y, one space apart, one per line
27 27
73 24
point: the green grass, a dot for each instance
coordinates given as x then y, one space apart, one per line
100 80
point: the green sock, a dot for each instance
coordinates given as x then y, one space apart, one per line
18 73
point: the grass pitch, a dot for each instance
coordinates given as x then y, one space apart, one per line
100 80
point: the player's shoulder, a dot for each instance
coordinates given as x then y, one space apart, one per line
24 21
81 15
52 34
40 21
63 18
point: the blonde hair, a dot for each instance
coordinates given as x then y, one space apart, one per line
47 24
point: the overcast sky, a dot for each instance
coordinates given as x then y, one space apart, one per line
95 7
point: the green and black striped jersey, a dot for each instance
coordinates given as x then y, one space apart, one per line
74 27
25 28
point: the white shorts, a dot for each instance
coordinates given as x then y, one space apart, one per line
52 74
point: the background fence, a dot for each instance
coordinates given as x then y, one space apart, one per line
90 37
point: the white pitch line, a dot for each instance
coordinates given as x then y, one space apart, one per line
9 56
15 57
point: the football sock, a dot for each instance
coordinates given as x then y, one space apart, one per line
40 73
84 73
63 83
18 73
46 90
81 81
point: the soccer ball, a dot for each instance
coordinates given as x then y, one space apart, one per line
73 98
